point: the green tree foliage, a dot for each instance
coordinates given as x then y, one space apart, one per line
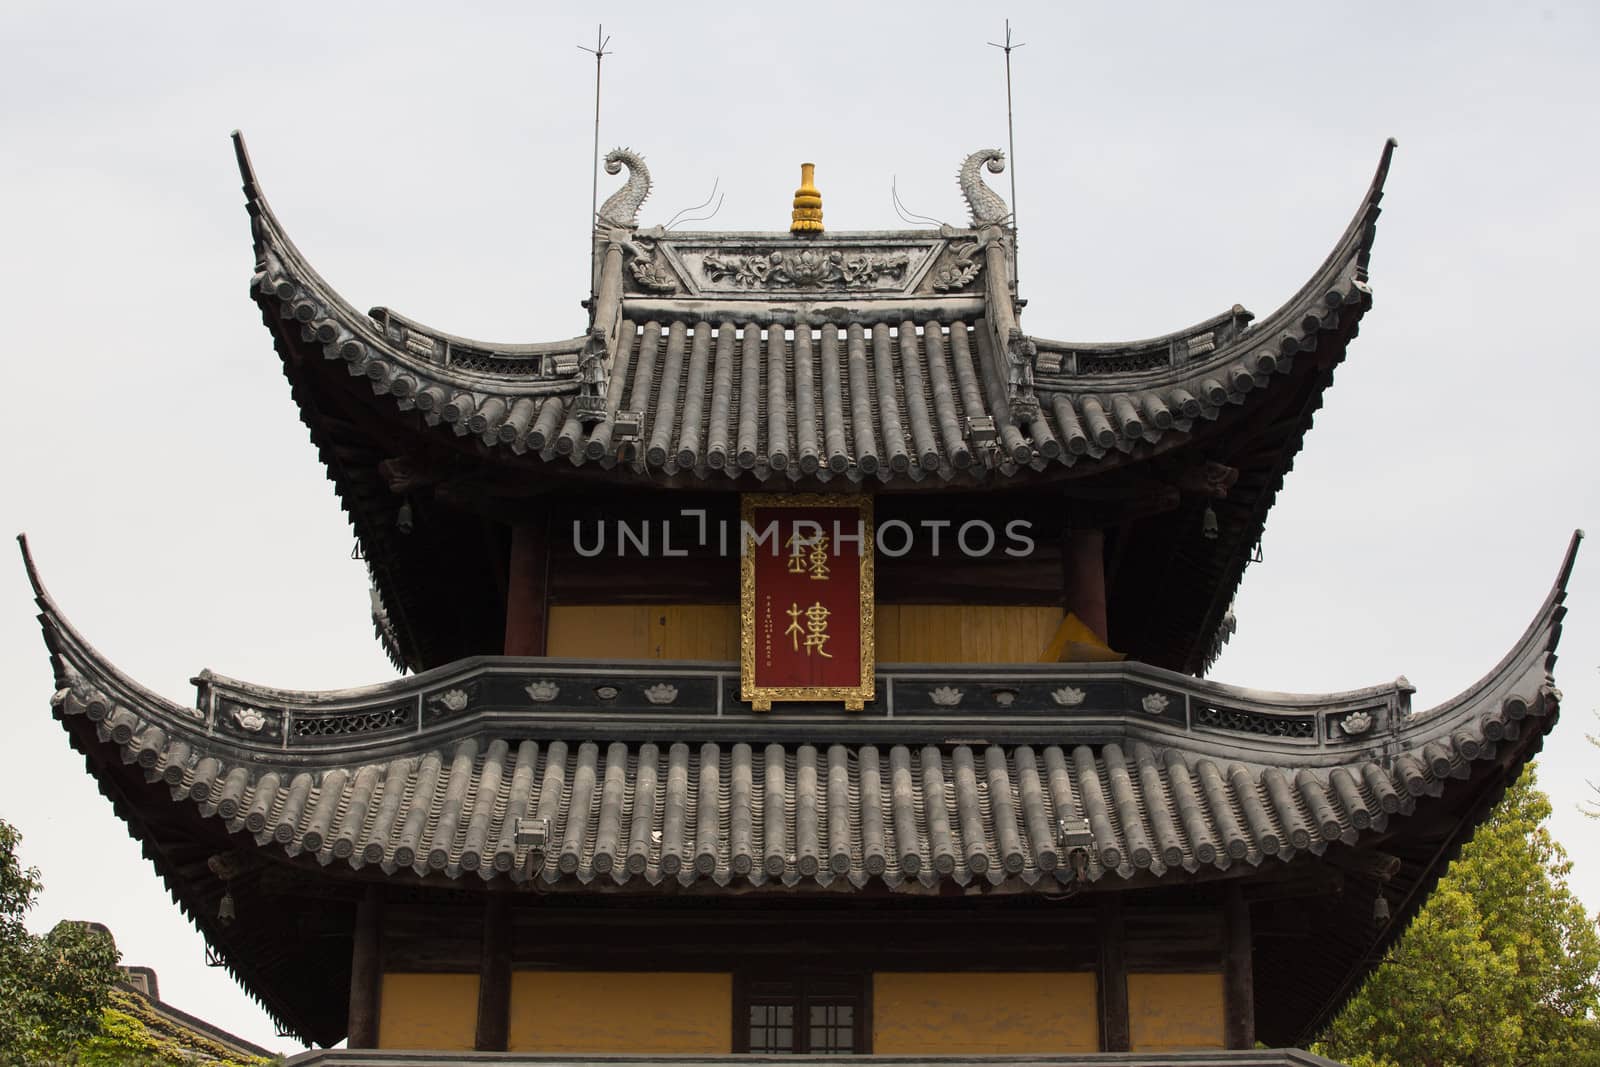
53 989
135 1036
1500 968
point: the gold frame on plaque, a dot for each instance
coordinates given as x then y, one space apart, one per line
761 697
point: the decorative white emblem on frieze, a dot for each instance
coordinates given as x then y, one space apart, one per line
661 693
1356 723
1005 697
1068 697
421 345
451 699
945 696
1155 703
646 266
1201 344
606 692
249 719
648 273
542 692
808 269
962 270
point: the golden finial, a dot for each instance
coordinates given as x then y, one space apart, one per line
807 217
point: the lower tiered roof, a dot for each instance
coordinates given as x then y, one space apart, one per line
650 780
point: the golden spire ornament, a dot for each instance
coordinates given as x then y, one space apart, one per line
807 217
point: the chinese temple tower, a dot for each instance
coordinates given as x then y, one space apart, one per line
804 658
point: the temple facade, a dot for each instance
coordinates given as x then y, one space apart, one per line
804 659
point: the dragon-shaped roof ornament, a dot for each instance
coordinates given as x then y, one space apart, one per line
621 208
986 205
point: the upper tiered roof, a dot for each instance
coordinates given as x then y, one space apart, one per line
884 358
882 362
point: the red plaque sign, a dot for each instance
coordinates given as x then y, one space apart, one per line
806 586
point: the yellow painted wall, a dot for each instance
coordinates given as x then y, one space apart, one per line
644 631
964 633
978 1014
429 1011
1175 1011
907 633
609 1012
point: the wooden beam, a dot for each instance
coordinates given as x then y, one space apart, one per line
1116 1035
1366 862
494 976
1083 567
527 590
366 971
1238 975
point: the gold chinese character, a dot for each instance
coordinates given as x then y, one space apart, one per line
818 560
817 627
813 636
797 552
795 630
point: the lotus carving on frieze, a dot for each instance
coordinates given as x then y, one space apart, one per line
452 699
542 692
945 696
1155 703
1068 696
1356 723
249 719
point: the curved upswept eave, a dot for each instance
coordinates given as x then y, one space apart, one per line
79 669
334 322
1234 354
1519 688
1521 685
1352 254
1176 774
519 397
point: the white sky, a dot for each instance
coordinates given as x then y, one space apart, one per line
1174 159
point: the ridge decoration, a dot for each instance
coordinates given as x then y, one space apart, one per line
1021 357
622 207
962 270
807 269
646 267
986 206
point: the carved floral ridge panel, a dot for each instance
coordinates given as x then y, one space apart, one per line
741 269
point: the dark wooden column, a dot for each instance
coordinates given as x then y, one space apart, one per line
1084 577
366 971
526 599
494 976
1115 1033
1238 975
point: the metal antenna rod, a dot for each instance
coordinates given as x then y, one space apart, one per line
599 52
1011 132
